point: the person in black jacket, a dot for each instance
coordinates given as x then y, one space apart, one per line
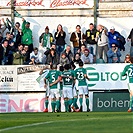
90 39
52 58
130 37
60 39
4 53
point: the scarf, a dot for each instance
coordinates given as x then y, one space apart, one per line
46 40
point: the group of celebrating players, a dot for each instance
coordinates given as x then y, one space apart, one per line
64 83
70 83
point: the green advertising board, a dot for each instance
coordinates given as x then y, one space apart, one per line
110 101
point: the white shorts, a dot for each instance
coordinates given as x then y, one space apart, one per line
130 87
67 92
54 93
83 90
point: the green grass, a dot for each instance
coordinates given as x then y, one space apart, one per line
83 122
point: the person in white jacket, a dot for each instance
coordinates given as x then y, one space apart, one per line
37 55
102 42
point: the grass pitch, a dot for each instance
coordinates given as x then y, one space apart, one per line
82 122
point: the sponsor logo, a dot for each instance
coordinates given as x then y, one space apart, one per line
96 76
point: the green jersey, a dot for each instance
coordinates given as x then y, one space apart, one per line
128 70
52 76
66 80
79 75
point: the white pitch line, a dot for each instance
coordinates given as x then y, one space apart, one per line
40 123
48 122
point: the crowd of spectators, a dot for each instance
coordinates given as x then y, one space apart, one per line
96 43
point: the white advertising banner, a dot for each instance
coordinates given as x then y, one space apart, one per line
106 76
8 78
30 102
48 4
27 78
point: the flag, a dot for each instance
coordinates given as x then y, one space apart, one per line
16 14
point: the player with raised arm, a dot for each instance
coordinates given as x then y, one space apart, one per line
128 70
68 82
40 80
53 79
81 76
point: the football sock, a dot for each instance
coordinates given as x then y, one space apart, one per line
80 101
66 105
53 105
58 104
46 104
132 103
87 103
70 101
75 102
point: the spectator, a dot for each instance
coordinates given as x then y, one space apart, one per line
53 46
1 37
130 37
102 41
2 27
114 37
91 34
18 34
77 38
46 53
26 55
60 36
4 53
16 31
127 59
63 59
68 53
114 54
37 55
46 39
77 58
32 60
27 35
18 58
52 58
11 47
87 57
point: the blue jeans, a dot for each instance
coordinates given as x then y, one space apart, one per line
59 49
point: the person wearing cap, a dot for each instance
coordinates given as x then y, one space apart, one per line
46 39
114 37
113 54
87 57
27 38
